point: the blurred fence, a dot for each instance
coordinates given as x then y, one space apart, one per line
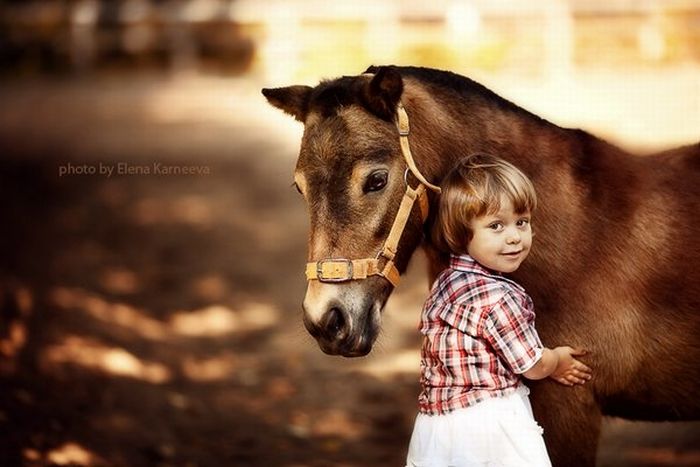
290 39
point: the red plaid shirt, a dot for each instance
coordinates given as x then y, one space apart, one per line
479 336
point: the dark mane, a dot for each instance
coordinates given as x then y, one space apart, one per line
330 95
461 86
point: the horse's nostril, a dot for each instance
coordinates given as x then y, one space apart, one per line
335 323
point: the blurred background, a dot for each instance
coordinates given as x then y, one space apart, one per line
152 247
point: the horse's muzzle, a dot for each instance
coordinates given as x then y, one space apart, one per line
338 332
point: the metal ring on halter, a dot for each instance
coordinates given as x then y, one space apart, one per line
405 178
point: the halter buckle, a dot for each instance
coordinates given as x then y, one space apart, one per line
334 270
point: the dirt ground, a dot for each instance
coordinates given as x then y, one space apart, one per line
154 318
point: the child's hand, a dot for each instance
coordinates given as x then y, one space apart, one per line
570 371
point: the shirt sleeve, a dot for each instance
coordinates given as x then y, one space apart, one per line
510 329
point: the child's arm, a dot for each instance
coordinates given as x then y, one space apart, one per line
559 364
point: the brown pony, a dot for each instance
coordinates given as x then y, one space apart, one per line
616 263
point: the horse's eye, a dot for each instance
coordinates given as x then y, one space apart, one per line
296 187
376 181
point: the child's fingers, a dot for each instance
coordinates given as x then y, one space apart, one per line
578 352
578 380
582 374
575 379
582 367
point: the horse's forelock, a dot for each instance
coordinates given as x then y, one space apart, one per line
378 94
332 95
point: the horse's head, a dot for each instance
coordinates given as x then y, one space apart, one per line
353 178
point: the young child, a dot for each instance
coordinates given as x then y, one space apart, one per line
478 326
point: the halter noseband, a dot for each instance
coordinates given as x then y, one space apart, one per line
343 270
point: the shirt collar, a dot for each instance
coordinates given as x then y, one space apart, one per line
466 263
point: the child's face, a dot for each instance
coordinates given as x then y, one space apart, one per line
501 241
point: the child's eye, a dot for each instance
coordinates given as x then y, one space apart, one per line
496 226
523 222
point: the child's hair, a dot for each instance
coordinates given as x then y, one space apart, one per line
473 188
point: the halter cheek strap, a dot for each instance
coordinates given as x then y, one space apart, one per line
343 270
404 131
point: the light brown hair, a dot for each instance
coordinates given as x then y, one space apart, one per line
474 187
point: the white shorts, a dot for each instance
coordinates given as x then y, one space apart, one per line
498 432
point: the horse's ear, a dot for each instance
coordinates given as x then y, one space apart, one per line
294 100
382 93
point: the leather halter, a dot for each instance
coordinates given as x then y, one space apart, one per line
343 270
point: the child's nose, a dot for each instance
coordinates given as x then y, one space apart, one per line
513 236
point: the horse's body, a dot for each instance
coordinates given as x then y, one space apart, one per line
615 261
